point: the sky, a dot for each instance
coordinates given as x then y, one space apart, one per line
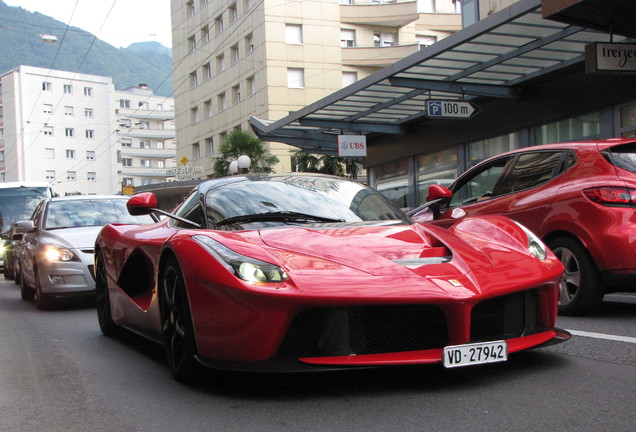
129 21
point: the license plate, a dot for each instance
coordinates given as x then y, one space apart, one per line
476 353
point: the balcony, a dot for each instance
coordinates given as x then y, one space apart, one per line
158 134
144 172
148 153
377 56
146 114
443 22
391 14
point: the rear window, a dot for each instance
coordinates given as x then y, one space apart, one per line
623 157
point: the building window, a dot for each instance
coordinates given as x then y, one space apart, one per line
349 78
126 142
209 146
236 95
47 86
88 112
126 123
587 126
425 40
161 164
205 35
49 175
48 109
1 155
207 71
144 125
191 8
249 43
233 15
249 86
295 78
220 102
192 43
207 108
69 111
48 130
143 105
194 81
124 103
145 163
194 115
88 91
126 162
69 132
70 154
127 181
160 145
347 38
196 151
220 63
234 54
91 176
218 25
90 134
68 89
49 153
294 34
143 144
90 155
146 181
384 39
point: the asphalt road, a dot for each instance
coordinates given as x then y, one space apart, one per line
59 373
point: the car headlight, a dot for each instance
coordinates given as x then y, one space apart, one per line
535 245
246 268
58 254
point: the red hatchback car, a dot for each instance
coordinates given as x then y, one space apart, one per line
580 198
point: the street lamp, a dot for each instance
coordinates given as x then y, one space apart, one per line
233 167
244 163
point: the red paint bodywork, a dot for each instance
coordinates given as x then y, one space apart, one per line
239 324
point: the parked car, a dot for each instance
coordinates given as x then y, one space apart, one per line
55 258
11 238
580 198
311 272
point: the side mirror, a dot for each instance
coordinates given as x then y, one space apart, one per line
24 226
436 192
142 204
437 195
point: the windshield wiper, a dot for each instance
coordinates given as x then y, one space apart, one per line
285 216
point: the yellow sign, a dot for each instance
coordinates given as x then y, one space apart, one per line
184 160
128 190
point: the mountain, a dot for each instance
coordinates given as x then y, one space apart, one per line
79 51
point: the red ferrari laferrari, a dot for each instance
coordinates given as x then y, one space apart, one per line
302 272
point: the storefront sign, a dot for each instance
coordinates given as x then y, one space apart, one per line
352 145
184 173
610 57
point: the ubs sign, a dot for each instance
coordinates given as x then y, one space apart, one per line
610 57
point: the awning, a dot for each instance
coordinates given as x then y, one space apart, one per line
493 58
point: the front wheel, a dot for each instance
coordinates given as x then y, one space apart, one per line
176 324
42 301
581 289
102 298
26 292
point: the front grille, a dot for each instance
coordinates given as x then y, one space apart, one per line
366 330
504 317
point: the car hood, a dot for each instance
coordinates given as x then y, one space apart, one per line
76 237
378 250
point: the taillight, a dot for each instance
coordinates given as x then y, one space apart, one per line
612 196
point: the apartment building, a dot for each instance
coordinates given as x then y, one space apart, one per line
145 137
58 127
268 58
76 132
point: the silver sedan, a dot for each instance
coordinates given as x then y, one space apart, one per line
55 258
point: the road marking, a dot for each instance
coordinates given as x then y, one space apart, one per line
603 336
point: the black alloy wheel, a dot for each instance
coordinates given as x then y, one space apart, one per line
581 289
102 298
176 323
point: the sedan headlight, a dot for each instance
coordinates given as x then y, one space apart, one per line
246 268
535 245
58 254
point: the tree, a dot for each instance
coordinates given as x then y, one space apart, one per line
241 143
325 164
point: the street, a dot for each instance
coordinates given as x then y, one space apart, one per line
59 373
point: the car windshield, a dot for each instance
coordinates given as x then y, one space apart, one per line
18 203
297 200
97 212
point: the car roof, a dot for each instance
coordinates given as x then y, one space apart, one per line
86 197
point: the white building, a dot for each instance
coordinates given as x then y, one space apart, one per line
76 132
58 126
145 131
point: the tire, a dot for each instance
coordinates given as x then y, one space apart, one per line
102 299
581 289
17 274
9 272
42 301
26 292
176 324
